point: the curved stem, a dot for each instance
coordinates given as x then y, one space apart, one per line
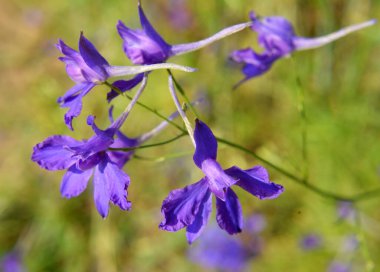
356 198
180 110
182 92
119 121
144 106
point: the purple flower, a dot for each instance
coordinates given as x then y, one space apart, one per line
346 210
190 207
12 262
82 159
278 39
101 156
311 241
87 68
146 46
255 223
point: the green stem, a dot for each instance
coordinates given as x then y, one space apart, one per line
143 106
180 110
363 243
356 198
183 94
302 112
149 145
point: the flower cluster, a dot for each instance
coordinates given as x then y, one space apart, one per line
104 155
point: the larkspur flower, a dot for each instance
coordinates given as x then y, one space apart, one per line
94 156
146 46
82 159
278 39
87 68
191 206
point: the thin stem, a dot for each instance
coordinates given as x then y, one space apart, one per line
144 106
356 198
146 136
149 145
119 121
163 158
181 112
182 92
302 112
363 243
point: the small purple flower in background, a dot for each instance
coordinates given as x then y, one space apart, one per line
278 39
191 206
350 243
218 250
311 241
346 210
255 224
87 68
12 262
338 266
179 14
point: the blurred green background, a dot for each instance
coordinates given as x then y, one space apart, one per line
341 84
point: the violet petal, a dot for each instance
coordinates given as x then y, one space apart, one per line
206 144
256 182
182 205
52 153
74 181
92 57
194 230
229 213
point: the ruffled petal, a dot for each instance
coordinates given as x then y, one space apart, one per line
181 206
229 213
119 182
92 57
102 193
75 105
194 230
75 182
218 181
206 144
256 182
124 85
54 152
72 93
